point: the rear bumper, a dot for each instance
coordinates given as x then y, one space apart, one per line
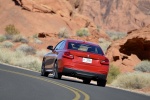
83 74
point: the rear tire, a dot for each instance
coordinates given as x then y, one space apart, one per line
55 73
101 83
86 81
43 72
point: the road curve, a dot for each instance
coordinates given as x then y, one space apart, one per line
19 84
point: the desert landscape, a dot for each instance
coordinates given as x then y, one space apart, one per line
120 27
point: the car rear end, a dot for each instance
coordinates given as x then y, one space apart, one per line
84 60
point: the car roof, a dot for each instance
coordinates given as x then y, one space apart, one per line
73 40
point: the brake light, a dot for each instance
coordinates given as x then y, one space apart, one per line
68 55
105 62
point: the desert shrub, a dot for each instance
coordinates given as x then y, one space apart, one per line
98 28
35 36
20 38
26 49
41 53
2 38
7 44
116 35
37 41
24 40
17 38
83 32
113 73
104 44
5 55
29 62
63 33
10 30
20 59
135 80
143 66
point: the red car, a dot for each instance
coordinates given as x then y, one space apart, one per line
81 59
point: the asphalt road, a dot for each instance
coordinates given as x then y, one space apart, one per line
19 84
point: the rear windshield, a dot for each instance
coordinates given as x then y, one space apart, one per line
85 47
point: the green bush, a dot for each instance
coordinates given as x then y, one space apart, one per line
104 44
116 35
143 66
113 73
2 38
11 30
135 80
63 33
26 49
83 32
7 44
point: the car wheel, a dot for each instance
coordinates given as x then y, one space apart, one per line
55 73
43 72
101 83
86 81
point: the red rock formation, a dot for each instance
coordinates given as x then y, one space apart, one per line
127 52
48 16
121 15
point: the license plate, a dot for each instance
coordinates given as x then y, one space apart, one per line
87 60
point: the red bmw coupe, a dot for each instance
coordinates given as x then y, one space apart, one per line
76 58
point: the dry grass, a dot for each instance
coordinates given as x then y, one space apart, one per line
26 49
116 35
37 41
63 33
83 32
104 44
143 66
2 38
135 80
7 44
10 31
113 73
19 58
20 38
41 53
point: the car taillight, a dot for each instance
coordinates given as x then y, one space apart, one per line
68 55
105 62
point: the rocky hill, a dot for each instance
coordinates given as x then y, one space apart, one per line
32 17
119 15
35 16
129 51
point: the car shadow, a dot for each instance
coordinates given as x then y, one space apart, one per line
72 79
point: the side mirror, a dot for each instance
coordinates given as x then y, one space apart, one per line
50 47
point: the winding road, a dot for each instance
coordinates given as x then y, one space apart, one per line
20 84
